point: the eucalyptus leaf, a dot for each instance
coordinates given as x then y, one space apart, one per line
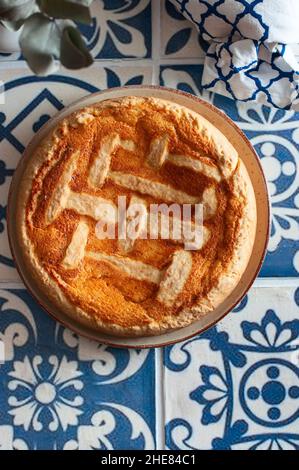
74 10
74 53
16 10
40 43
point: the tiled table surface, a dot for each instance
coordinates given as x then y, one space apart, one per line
235 386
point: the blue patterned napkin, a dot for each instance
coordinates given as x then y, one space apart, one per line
249 53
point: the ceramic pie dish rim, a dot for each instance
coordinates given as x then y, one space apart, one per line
152 341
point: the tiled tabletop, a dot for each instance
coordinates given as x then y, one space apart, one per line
235 386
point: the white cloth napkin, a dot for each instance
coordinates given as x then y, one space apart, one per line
250 55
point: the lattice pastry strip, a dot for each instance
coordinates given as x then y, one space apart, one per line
101 164
126 243
75 252
159 154
84 204
96 207
159 225
167 193
171 281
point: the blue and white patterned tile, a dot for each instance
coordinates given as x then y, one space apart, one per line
236 386
61 391
179 37
120 29
275 136
29 102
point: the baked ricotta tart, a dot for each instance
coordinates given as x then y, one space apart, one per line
152 153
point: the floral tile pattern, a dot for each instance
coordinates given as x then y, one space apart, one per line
61 391
119 29
239 381
29 103
179 37
275 136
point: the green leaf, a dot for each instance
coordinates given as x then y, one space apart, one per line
66 9
74 53
16 10
40 43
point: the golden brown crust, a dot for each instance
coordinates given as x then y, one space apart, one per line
191 161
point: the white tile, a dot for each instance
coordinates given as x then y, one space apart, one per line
237 385
179 37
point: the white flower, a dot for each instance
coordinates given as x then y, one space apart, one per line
45 393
